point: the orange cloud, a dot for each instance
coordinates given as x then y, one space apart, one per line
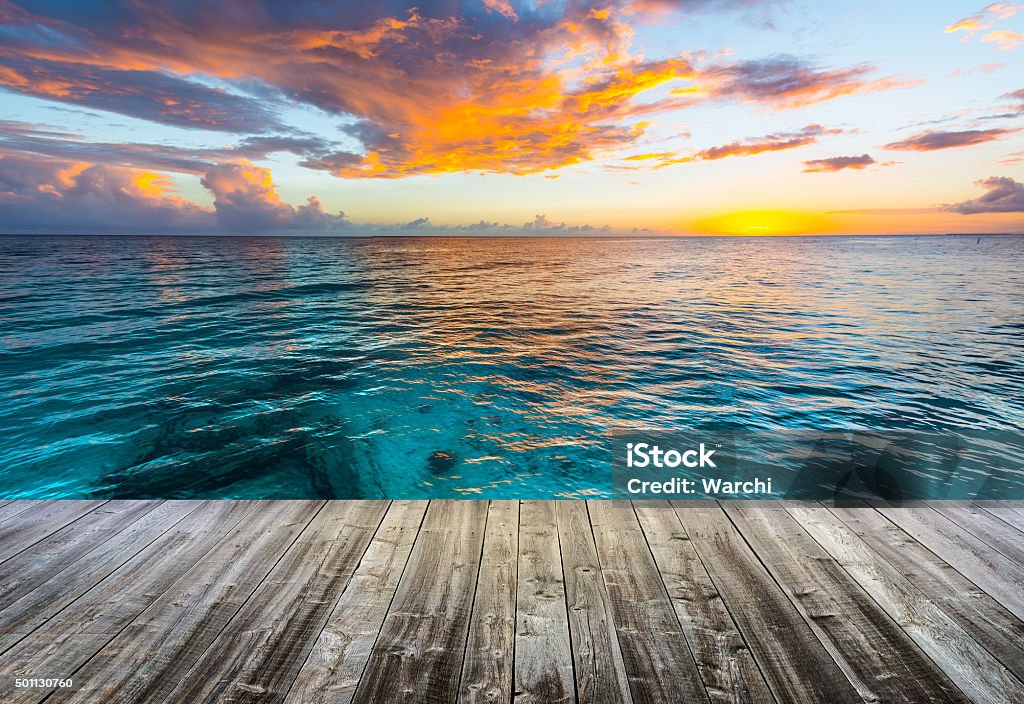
985 19
779 141
496 88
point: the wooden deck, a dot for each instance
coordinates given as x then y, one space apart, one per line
470 601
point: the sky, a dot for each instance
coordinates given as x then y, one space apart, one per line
494 117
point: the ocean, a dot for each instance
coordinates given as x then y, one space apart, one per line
279 367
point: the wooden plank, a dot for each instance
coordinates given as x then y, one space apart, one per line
1011 512
46 600
419 652
259 653
655 654
997 574
987 621
65 642
600 670
487 674
726 665
31 526
337 660
994 532
13 508
795 664
543 655
878 657
974 670
152 655
30 568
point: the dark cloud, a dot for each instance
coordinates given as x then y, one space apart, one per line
22 137
149 95
54 195
934 140
838 163
787 82
1003 195
58 196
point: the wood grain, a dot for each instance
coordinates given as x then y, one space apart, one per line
656 657
796 665
419 652
339 656
975 671
726 665
258 654
543 662
487 671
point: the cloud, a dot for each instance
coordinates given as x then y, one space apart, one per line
246 200
984 19
935 140
1004 39
499 87
787 83
838 163
779 141
541 224
23 137
770 143
56 195
149 95
1004 195
416 224
61 196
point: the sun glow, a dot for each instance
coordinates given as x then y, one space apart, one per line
763 222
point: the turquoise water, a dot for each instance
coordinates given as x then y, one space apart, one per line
415 367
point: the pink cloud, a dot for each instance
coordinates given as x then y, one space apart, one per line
1003 195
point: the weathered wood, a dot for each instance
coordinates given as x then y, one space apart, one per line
63 587
878 657
13 508
797 667
65 642
985 619
339 656
997 574
151 656
487 674
726 665
656 657
419 653
242 602
54 553
543 664
258 654
994 532
600 671
1010 512
974 670
35 524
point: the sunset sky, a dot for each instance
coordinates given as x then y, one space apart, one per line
498 117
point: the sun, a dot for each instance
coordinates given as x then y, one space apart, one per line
763 222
